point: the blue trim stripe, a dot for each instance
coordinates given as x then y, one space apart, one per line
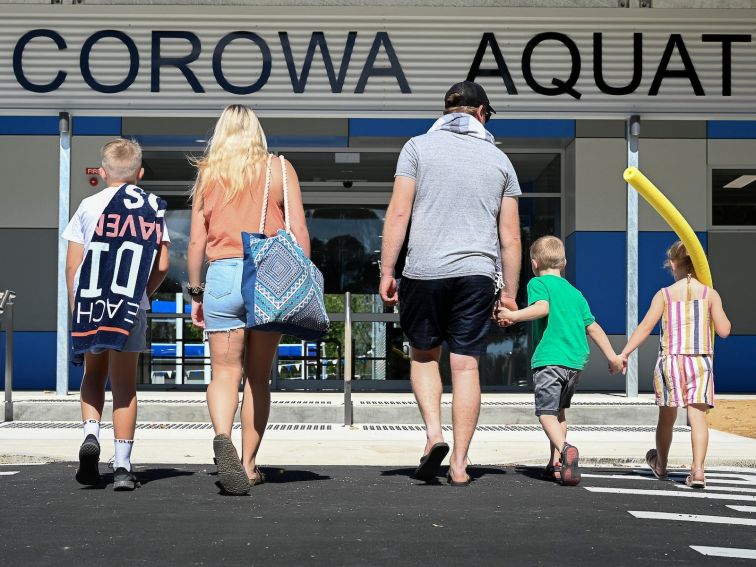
388 127
732 129
532 128
501 128
96 126
29 126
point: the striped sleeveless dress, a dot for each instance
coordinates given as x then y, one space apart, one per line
683 373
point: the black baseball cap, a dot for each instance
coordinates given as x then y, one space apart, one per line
470 94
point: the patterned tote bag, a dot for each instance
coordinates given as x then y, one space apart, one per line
281 287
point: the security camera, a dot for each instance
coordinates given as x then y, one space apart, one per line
347 184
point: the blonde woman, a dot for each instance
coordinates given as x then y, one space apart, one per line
227 200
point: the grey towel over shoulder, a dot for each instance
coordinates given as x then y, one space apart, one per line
460 182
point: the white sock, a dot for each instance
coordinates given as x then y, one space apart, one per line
92 427
123 453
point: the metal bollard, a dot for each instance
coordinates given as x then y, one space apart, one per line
6 311
348 418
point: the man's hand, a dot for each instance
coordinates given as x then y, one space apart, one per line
504 304
504 317
389 290
198 314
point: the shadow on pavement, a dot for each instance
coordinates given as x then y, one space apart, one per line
533 472
144 476
280 476
474 472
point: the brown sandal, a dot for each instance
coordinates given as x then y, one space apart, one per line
694 482
259 478
652 458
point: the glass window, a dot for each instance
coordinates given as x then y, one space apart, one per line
733 197
340 167
346 245
538 173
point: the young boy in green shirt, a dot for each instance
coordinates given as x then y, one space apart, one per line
561 319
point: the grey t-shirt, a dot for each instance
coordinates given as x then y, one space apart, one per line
460 181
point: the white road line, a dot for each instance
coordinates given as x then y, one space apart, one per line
748 477
713 473
719 488
8 473
691 494
742 508
725 552
652 477
618 476
693 518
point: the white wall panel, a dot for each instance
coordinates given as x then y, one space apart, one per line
678 169
435 47
732 152
600 192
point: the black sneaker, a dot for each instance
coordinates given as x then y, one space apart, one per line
124 480
89 457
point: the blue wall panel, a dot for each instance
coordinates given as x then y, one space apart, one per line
599 266
569 249
34 361
735 365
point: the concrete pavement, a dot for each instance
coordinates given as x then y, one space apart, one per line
379 445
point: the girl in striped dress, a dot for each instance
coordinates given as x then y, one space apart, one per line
683 376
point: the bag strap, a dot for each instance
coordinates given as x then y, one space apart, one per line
287 223
266 195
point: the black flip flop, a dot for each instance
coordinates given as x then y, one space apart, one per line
457 483
430 463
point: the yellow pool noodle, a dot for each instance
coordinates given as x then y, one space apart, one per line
674 219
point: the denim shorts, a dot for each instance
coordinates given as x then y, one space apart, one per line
223 303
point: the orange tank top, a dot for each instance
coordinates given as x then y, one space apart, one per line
224 222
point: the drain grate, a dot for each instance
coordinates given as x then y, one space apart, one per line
329 427
527 427
161 426
160 401
511 403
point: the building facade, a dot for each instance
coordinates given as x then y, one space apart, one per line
340 89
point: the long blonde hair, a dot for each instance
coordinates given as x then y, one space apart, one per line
234 153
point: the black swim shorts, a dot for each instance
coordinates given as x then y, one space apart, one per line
452 310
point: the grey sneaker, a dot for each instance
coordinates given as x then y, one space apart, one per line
124 480
88 473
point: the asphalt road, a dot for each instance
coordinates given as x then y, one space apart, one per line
362 516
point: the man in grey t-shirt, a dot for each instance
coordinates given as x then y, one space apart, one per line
460 193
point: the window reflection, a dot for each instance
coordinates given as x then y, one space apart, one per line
346 246
733 197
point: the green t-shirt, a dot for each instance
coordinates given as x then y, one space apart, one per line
559 338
